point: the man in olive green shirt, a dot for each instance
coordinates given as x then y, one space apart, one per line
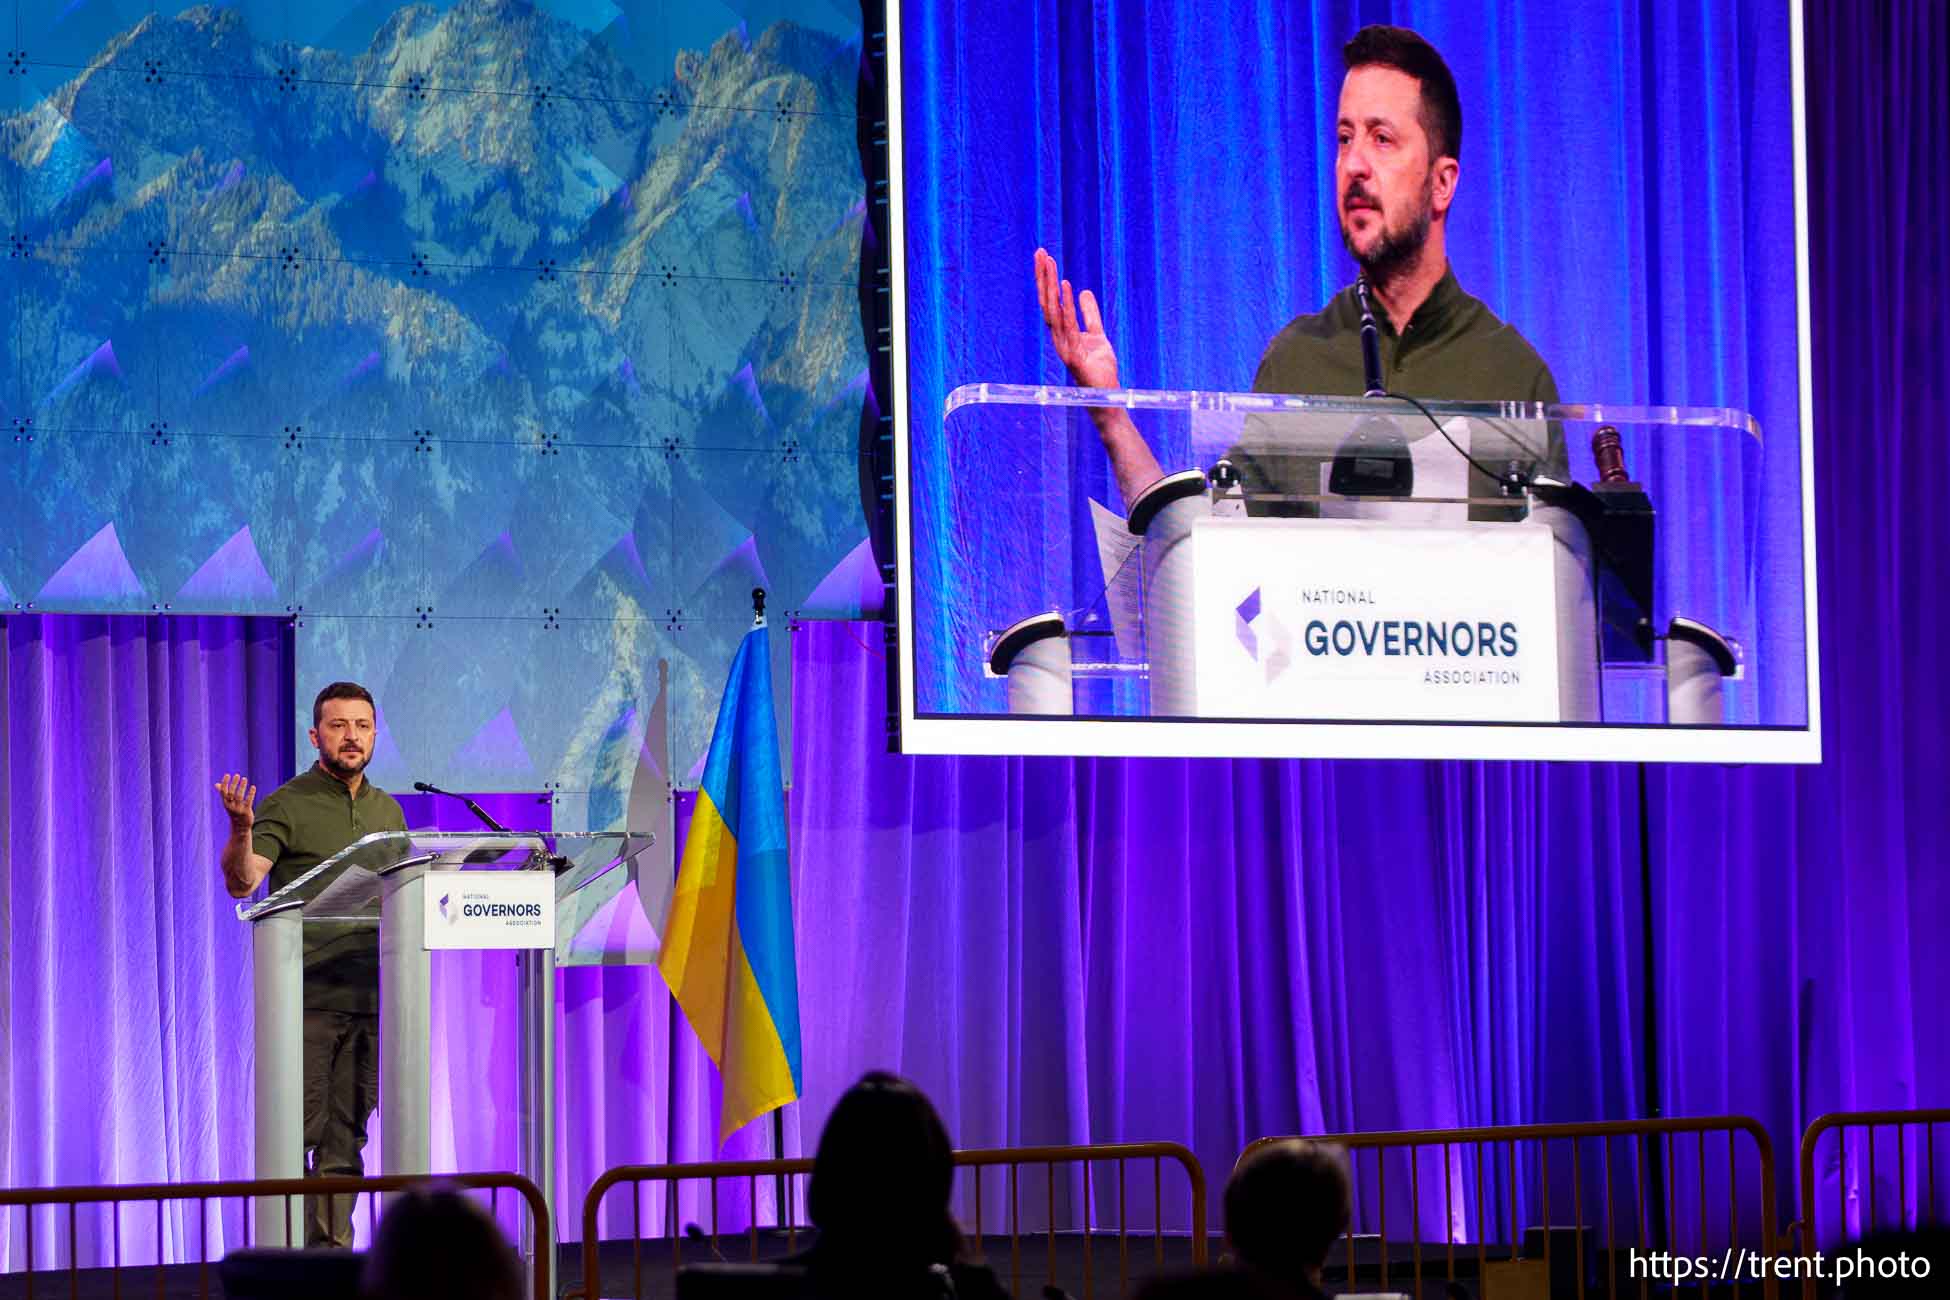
1453 349
1399 134
301 823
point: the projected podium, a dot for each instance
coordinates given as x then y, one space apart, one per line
1353 560
420 890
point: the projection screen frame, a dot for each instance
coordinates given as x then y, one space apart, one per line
993 734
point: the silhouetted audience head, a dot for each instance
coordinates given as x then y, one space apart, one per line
1286 1204
438 1243
881 1180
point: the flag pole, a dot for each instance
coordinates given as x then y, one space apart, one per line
778 1113
778 1153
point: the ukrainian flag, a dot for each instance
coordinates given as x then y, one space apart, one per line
727 943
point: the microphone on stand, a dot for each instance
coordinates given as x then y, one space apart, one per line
1387 468
472 807
558 863
1370 342
1374 459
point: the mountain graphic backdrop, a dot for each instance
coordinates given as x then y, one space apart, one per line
507 346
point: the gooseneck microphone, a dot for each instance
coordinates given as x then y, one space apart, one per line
1370 342
1386 469
472 807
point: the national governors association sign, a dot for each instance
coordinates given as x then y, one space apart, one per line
1341 620
490 909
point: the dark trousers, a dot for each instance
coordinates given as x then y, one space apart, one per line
341 1090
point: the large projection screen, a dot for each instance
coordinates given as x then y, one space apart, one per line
1630 197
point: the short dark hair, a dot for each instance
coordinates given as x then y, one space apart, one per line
1286 1204
1406 51
340 691
882 1177
438 1243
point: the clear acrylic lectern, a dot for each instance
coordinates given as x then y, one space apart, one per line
376 883
1034 596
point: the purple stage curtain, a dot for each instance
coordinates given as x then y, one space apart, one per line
1801 913
125 979
125 995
1203 951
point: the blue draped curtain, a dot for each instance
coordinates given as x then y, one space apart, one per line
1796 908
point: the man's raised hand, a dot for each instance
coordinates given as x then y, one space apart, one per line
1086 351
238 797
1092 362
243 868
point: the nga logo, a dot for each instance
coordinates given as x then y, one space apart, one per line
1244 617
1252 623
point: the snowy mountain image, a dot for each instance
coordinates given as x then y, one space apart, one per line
505 347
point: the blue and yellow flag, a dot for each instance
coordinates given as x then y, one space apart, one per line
727 942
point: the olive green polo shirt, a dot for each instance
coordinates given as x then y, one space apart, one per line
299 825
1454 349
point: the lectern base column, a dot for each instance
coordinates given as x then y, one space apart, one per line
278 1021
405 1029
1033 656
1698 659
537 1063
1168 637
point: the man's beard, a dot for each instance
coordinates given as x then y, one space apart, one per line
341 769
1394 250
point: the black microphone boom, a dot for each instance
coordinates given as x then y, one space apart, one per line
1345 471
472 807
1370 342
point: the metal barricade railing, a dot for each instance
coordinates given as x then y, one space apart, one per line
772 1186
1120 1155
292 1191
1913 1162
1496 1182
783 1177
